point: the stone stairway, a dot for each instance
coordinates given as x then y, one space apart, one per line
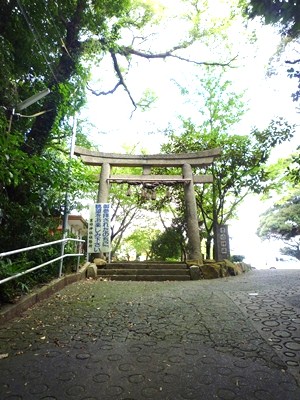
144 271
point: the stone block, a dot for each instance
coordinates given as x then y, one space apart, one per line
211 271
233 269
195 272
91 271
194 262
244 267
99 262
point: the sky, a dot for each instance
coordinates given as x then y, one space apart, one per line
116 129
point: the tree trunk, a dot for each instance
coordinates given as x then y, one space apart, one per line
208 247
39 134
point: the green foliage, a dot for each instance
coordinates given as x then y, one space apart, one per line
293 248
283 13
21 262
282 180
126 211
46 44
293 169
167 246
148 99
139 241
282 220
285 16
240 169
278 131
37 196
237 258
14 288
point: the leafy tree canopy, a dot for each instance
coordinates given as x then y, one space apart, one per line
240 169
140 241
167 245
284 13
282 220
294 168
55 44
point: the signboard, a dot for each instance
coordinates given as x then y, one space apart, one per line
223 243
99 228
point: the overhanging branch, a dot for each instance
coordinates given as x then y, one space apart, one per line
121 81
292 62
125 51
128 51
102 93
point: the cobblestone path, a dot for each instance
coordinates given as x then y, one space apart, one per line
231 338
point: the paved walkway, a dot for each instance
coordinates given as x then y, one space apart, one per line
232 338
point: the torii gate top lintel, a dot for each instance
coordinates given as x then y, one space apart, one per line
202 158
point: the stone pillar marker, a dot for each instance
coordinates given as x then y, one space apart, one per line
194 244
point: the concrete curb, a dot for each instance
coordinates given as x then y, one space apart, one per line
13 310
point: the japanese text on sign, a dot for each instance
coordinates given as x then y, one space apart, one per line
99 228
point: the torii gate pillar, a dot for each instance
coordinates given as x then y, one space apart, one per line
191 217
103 191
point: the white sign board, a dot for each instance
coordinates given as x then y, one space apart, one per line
99 228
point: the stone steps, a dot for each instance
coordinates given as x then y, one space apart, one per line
146 265
144 271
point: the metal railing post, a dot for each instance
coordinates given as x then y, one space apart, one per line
78 249
62 253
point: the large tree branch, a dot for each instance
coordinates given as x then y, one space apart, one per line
292 62
128 51
121 81
128 216
103 93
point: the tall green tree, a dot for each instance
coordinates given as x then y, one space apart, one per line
281 221
167 245
54 44
140 241
240 169
125 213
35 214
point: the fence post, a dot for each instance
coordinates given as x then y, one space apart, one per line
62 253
78 249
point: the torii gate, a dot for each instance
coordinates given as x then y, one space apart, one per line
184 160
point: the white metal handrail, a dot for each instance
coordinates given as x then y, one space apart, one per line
61 257
38 246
